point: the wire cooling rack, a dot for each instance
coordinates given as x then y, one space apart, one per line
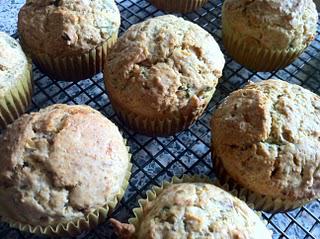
158 159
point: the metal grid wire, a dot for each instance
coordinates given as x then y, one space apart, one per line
158 159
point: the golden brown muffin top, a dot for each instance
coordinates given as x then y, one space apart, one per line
13 63
267 135
60 164
67 27
198 210
164 64
274 24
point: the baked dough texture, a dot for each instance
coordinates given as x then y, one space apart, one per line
64 27
272 24
162 67
13 63
198 210
60 164
267 136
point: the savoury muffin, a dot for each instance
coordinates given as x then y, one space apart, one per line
162 73
193 210
15 80
69 39
61 170
266 138
182 6
266 35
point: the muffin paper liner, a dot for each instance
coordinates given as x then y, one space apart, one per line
182 6
155 127
152 194
76 67
258 59
77 226
17 99
257 201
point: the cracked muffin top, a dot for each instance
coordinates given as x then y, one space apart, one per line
164 64
196 210
13 63
67 27
273 24
267 136
60 164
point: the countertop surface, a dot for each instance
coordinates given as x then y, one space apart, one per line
9 14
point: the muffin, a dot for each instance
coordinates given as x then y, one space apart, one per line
192 210
15 80
69 39
266 140
161 74
267 35
182 6
61 170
